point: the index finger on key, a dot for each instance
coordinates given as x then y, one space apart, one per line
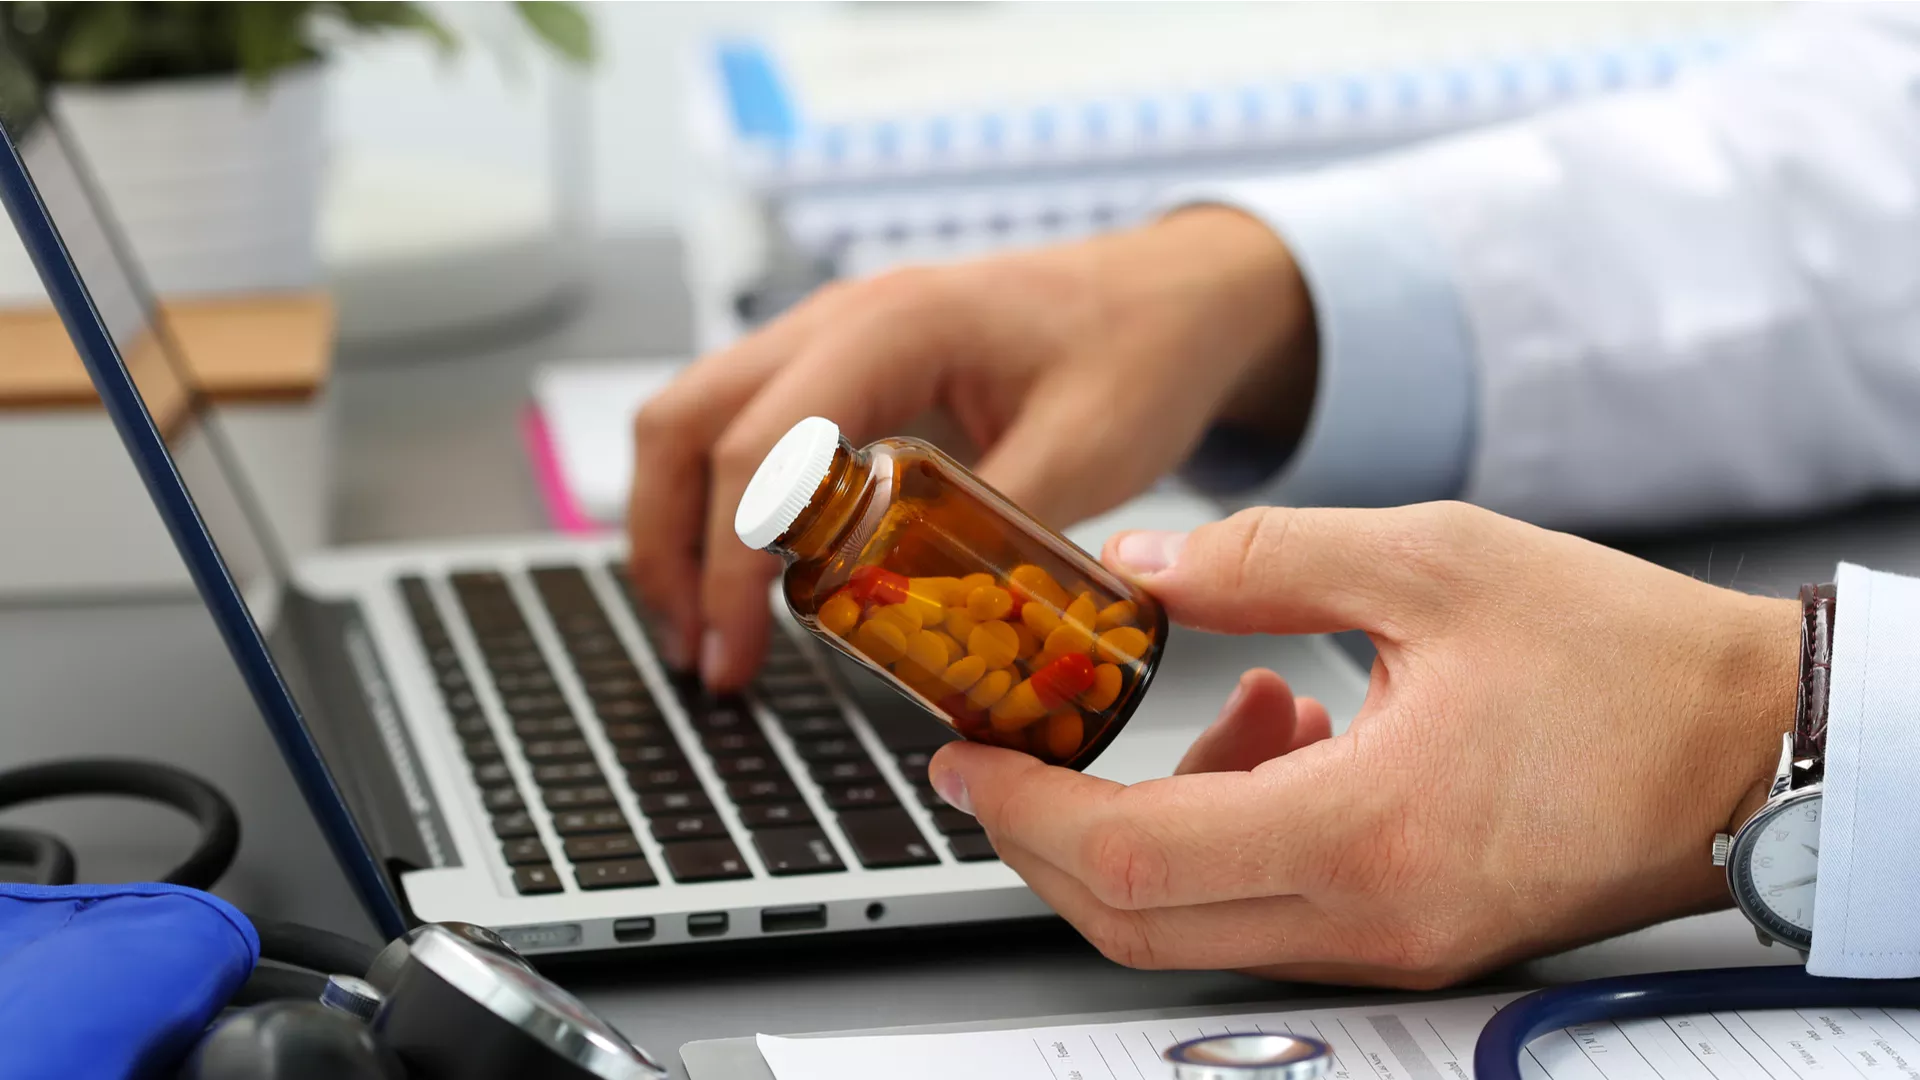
673 436
1182 840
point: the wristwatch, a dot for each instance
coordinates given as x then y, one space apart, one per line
1772 860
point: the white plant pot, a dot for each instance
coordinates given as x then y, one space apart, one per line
216 184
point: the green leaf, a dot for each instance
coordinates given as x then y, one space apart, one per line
560 25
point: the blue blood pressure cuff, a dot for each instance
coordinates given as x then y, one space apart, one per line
113 980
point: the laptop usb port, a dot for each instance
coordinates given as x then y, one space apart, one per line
631 930
781 920
707 924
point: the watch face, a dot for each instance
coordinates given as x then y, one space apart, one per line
1774 865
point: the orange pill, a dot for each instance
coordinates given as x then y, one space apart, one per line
1040 619
926 651
1118 613
881 640
990 689
989 602
945 591
994 642
968 584
1021 706
1105 689
955 650
959 625
1123 645
929 609
1037 583
1065 730
839 614
1082 612
963 673
1069 637
1028 643
905 616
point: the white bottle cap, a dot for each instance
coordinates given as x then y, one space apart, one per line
786 481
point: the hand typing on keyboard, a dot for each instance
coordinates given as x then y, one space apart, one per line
1553 734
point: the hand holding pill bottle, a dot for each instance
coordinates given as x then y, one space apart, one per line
901 558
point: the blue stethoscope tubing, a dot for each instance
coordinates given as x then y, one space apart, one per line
1496 1056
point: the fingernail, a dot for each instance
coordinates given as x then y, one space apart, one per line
713 656
1149 552
1234 699
953 791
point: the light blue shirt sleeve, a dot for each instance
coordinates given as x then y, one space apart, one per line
1394 410
1864 905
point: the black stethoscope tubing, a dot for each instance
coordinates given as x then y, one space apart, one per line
1496 1056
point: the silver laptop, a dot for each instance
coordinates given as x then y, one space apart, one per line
485 731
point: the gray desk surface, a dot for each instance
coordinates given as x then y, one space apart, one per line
428 448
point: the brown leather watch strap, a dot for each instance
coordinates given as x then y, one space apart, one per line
1817 603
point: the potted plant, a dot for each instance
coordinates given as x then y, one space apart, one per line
204 123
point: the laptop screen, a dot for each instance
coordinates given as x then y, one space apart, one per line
174 438
200 449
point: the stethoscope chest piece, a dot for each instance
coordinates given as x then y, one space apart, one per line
1250 1057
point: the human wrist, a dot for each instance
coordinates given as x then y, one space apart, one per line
1252 315
1766 701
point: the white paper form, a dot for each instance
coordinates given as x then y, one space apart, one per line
1431 1040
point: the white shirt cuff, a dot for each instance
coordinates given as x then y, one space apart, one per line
1866 906
1393 414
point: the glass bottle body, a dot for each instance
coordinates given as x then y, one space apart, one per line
1000 627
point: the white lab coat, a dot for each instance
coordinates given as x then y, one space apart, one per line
1664 306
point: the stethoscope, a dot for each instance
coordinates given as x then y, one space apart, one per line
1496 1056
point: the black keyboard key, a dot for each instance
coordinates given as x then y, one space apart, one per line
855 796
845 749
526 851
747 765
929 798
705 860
502 799
687 827
462 702
762 789
541 704
557 773
972 847
816 726
453 680
667 803
524 682
614 874
491 773
796 703
775 815
482 751
953 822
845 772
650 753
795 679
517 661
578 798
800 850
606 667
581 822
472 725
633 731
556 749
616 689
606 846
648 778
914 764
735 742
514 825
546 727
720 720
886 837
617 709
534 880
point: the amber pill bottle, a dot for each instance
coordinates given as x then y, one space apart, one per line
902 559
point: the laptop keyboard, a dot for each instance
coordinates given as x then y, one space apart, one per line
677 806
